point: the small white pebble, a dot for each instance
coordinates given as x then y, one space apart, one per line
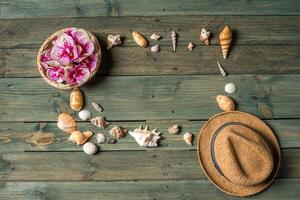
90 148
84 115
230 88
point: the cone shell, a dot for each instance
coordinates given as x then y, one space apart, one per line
139 39
80 137
76 99
66 123
225 103
225 40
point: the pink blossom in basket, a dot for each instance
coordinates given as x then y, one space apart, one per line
90 62
46 60
77 75
56 73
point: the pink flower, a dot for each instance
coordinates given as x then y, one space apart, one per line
56 73
77 75
47 61
90 62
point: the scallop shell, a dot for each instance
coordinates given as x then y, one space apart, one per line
97 107
100 138
139 39
76 99
174 40
155 48
190 46
225 38
204 36
66 122
90 148
79 137
113 40
174 129
118 132
188 138
85 115
144 137
230 88
225 103
155 36
221 69
100 122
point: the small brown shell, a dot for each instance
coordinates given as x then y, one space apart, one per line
174 129
76 99
80 137
66 122
100 122
118 132
139 39
188 138
225 103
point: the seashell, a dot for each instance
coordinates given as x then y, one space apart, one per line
155 48
230 88
118 132
221 69
100 122
90 148
76 99
100 138
225 38
66 122
144 137
155 36
139 39
204 36
97 107
190 46
174 40
111 141
113 40
80 137
225 103
174 129
85 115
188 138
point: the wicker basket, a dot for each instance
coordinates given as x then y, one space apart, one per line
48 44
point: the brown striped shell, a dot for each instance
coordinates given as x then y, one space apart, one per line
139 39
225 40
76 99
225 103
79 137
66 123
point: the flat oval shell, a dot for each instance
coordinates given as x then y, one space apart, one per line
230 88
76 99
90 148
139 39
225 103
66 123
85 115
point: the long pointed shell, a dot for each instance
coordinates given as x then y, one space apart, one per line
76 99
80 137
188 138
174 40
225 103
100 122
221 69
66 123
144 137
118 132
225 40
139 39
204 36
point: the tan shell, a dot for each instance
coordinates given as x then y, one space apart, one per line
225 103
76 99
139 39
80 137
118 132
66 122
188 138
225 40
174 129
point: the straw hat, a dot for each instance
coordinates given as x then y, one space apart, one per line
239 153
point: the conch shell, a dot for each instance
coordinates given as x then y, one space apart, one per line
113 40
80 137
76 99
188 138
100 122
225 103
174 129
139 39
221 69
225 40
144 137
66 122
174 40
204 36
118 132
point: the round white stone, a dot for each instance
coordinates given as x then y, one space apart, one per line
85 115
90 148
230 88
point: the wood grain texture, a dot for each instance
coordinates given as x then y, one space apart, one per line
153 97
243 59
32 136
260 30
117 166
93 8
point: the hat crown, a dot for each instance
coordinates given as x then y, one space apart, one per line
242 155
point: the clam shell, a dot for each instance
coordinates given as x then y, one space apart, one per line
80 137
139 39
100 138
90 148
76 99
85 115
225 103
66 123
230 88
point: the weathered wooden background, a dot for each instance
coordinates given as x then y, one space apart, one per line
137 87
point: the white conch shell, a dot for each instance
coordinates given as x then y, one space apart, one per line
155 48
155 36
190 46
221 69
113 40
144 137
97 107
100 122
204 36
174 40
188 138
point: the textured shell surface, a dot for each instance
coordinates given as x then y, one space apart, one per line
204 36
97 107
230 88
155 48
66 122
225 38
174 40
79 137
145 137
118 132
225 103
221 69
174 129
76 99
100 122
190 46
155 36
139 39
90 148
188 138
85 115
100 138
113 40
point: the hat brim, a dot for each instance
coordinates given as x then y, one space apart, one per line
203 151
